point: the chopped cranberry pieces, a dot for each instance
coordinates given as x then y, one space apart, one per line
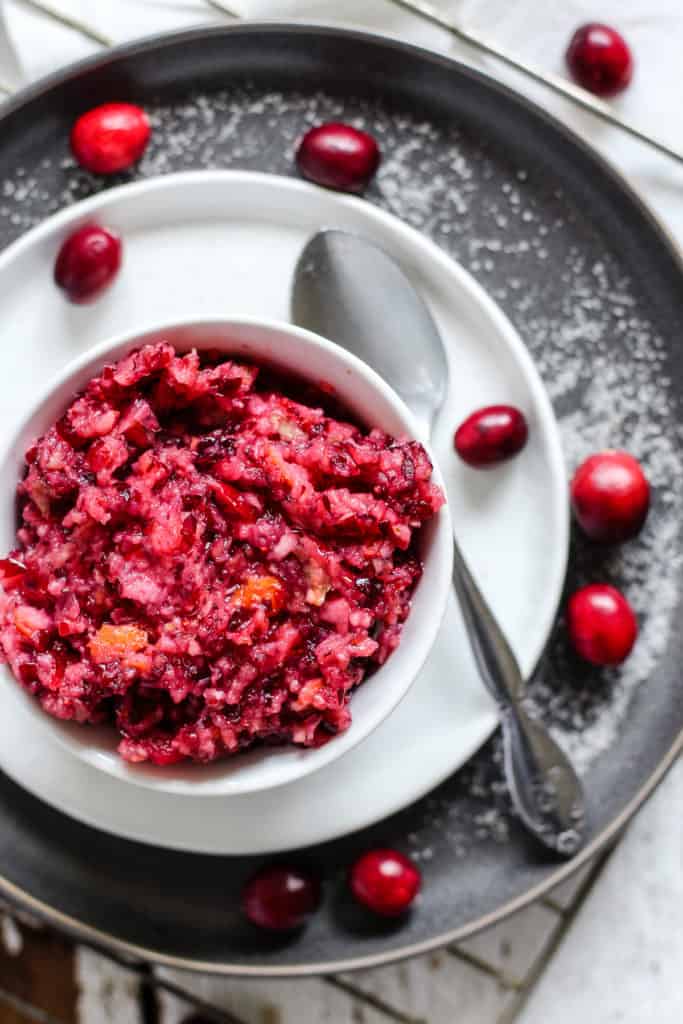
162 751
12 573
234 502
28 674
220 564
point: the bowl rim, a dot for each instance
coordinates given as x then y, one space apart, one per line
217 779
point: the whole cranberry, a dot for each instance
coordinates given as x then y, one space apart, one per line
599 59
338 156
491 435
386 881
88 262
280 898
110 138
601 623
610 496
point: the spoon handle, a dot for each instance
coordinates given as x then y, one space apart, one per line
496 662
543 784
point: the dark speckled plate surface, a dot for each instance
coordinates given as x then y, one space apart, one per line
593 286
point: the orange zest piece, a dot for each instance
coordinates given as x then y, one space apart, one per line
112 643
260 590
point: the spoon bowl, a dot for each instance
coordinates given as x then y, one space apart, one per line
325 294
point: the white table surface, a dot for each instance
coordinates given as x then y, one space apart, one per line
608 946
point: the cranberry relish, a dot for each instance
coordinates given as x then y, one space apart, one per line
206 563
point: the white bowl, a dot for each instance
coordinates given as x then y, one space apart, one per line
375 403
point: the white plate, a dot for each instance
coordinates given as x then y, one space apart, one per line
224 244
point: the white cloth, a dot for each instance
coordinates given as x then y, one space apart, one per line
534 29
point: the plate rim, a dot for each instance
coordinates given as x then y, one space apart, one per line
158 41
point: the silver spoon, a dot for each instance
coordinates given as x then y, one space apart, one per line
350 291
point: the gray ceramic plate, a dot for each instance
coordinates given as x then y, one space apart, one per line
593 286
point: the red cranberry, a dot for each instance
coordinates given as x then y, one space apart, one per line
491 435
610 496
110 138
385 881
28 675
87 262
280 898
601 623
338 156
599 59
